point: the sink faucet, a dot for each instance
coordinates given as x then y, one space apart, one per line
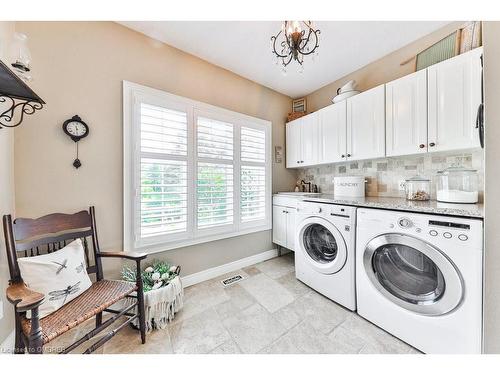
302 182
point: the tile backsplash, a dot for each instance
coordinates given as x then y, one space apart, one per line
383 175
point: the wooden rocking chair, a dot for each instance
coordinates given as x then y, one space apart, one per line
30 237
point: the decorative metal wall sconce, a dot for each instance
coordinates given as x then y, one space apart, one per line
19 98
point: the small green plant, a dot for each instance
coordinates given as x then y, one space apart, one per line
158 275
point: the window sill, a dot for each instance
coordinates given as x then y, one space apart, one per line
166 246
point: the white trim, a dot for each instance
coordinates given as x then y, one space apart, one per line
7 346
158 248
135 87
210 273
132 93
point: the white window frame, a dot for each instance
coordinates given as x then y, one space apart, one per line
133 95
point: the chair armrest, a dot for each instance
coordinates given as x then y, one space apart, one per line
123 255
22 297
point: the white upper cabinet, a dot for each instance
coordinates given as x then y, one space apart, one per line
366 124
303 142
333 133
293 143
310 137
430 110
454 94
406 115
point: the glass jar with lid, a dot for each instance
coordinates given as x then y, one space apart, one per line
418 188
457 185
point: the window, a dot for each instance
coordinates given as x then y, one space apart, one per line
192 172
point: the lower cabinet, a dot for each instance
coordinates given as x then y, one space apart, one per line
284 226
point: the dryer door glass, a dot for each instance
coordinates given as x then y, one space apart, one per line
408 274
320 243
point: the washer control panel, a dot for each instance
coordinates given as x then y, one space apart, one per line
444 229
445 232
449 230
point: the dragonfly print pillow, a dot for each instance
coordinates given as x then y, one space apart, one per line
61 276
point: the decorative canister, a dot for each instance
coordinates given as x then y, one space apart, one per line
457 185
349 186
418 188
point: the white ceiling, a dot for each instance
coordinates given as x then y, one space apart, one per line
244 47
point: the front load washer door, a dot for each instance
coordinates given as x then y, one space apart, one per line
413 274
322 245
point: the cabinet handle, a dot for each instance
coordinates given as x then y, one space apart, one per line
432 144
343 156
421 145
348 155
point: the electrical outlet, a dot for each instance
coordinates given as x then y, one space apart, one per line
402 185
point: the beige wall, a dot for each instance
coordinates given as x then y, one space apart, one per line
384 70
491 42
79 68
6 192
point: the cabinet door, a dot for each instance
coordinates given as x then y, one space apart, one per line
333 133
366 124
290 228
454 94
293 144
406 115
310 140
279 225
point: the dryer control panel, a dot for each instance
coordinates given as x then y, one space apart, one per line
326 210
435 229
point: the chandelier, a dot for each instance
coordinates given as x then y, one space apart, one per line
295 40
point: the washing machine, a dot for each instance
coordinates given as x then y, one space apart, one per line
324 250
420 278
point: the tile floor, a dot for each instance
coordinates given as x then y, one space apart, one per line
269 311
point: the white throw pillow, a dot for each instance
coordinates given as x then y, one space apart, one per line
61 276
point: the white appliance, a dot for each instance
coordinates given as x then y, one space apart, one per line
324 250
420 276
349 186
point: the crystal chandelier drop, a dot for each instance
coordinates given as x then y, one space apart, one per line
295 40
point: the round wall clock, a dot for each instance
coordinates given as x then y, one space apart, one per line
76 129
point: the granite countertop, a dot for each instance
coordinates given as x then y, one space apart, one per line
401 204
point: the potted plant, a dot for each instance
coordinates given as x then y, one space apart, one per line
163 292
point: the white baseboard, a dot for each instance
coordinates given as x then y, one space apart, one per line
7 346
210 273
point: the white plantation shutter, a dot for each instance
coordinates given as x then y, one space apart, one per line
215 173
163 171
193 173
215 194
253 189
163 131
253 145
215 139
